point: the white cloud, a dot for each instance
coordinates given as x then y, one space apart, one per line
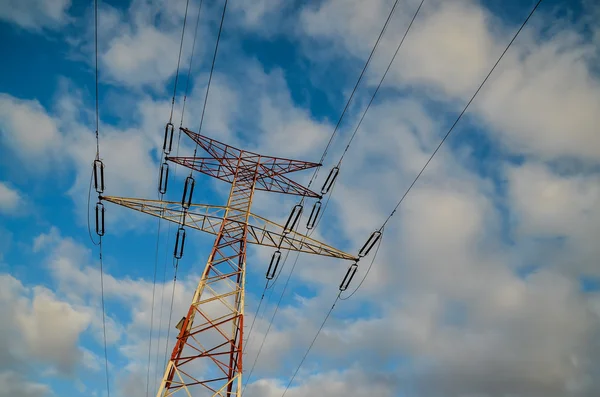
141 58
550 205
9 199
60 140
139 47
443 312
28 130
40 327
35 15
12 384
542 100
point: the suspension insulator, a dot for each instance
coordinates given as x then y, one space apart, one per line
168 142
293 219
314 215
179 243
272 270
364 251
100 219
99 176
349 276
188 191
164 178
333 174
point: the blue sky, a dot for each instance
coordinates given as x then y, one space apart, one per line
487 280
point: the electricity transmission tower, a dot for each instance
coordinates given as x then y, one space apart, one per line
208 353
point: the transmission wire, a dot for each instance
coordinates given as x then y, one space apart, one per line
380 82
358 81
315 173
98 159
212 68
339 164
393 212
460 115
312 343
152 311
271 322
187 83
187 3
161 196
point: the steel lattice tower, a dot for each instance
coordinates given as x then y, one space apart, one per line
210 339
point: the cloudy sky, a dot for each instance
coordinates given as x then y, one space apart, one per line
487 283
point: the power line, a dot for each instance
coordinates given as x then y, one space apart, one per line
325 151
152 310
332 188
380 82
98 178
212 68
460 115
312 343
187 3
104 319
96 76
271 323
161 194
408 190
383 29
187 83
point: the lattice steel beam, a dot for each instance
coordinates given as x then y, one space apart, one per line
208 218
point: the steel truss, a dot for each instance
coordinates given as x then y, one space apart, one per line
210 340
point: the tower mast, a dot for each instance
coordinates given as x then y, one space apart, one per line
208 352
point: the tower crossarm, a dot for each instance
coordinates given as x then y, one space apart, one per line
208 218
217 168
262 231
228 156
267 180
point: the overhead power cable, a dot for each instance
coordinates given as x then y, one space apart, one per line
380 230
337 168
381 33
189 197
212 68
460 116
315 173
98 179
187 82
162 184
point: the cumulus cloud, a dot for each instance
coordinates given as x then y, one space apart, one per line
9 198
45 328
36 15
451 307
28 130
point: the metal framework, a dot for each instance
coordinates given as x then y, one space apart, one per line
210 340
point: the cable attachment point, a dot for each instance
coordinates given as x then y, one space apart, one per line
164 178
188 191
364 251
314 215
333 174
179 243
349 276
293 219
272 270
99 176
99 219
168 142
